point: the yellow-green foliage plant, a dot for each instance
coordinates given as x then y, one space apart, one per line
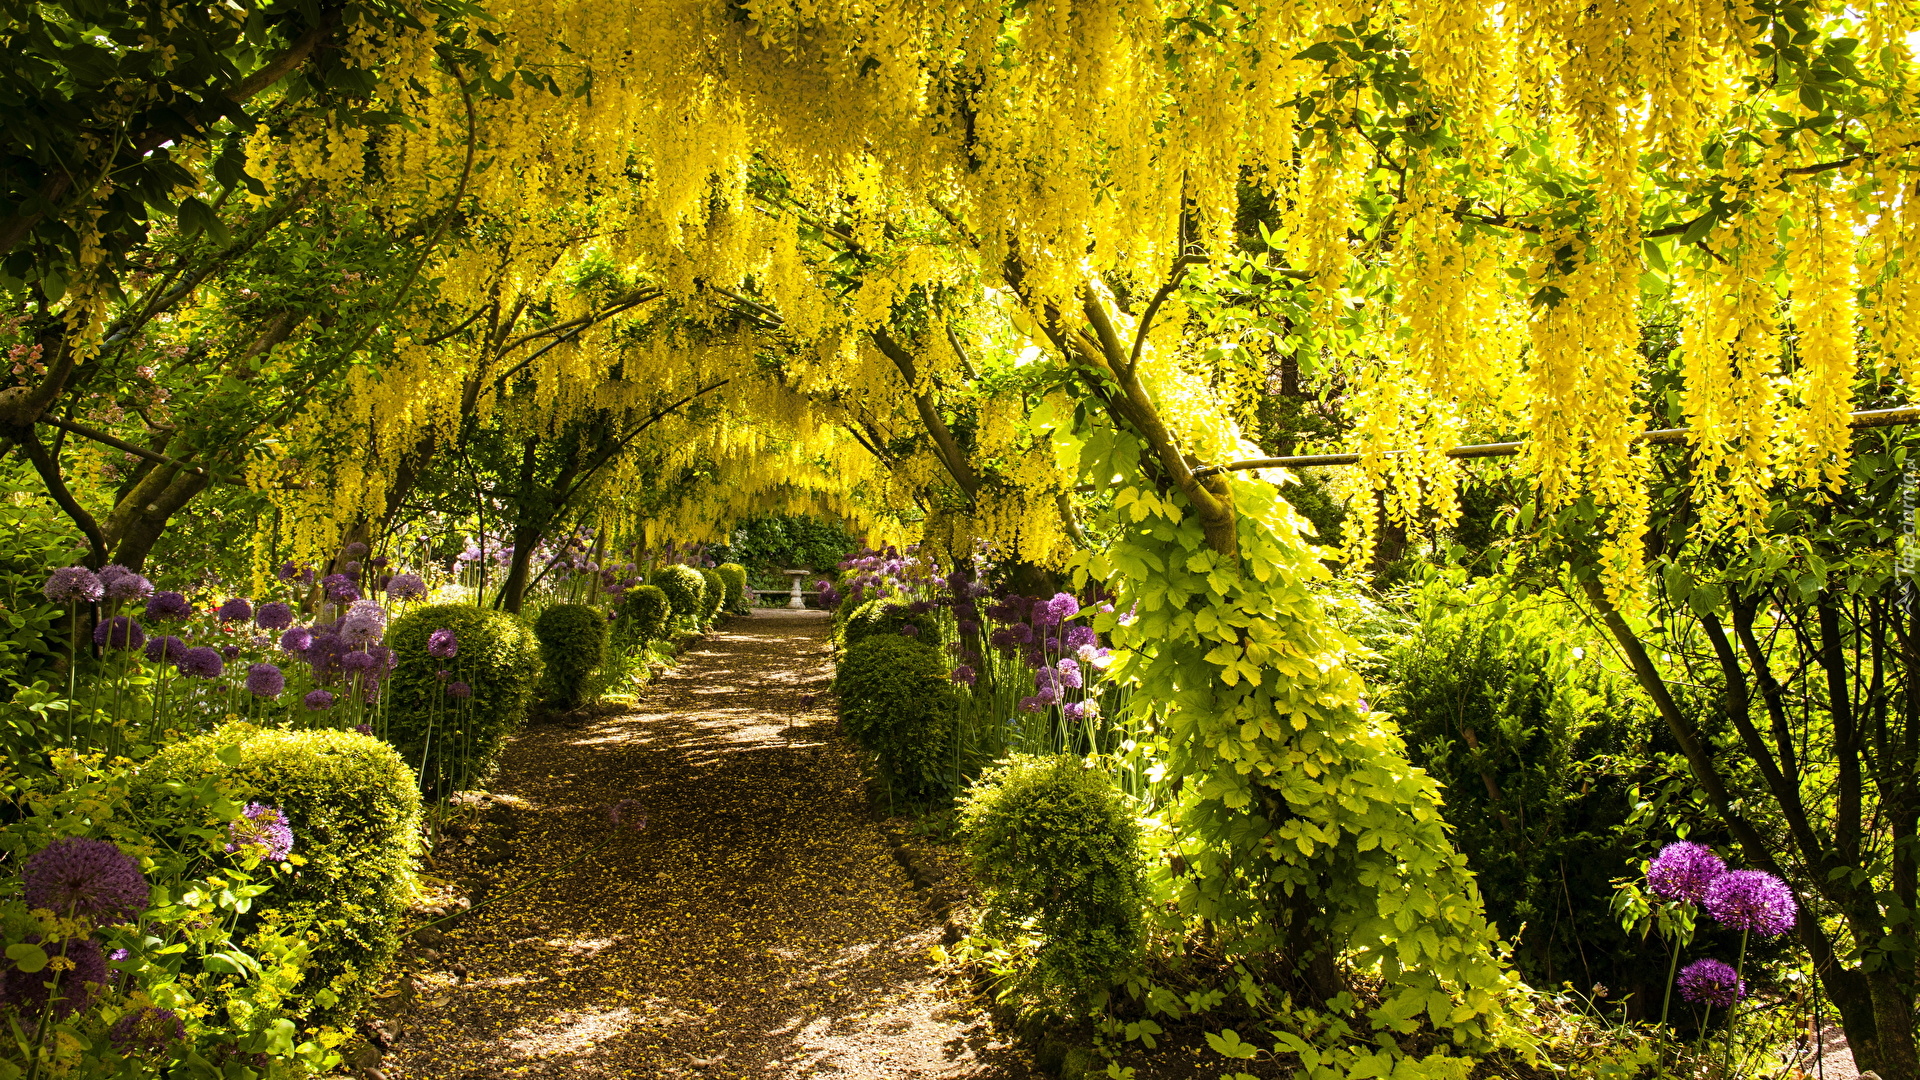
735 576
1304 830
645 613
354 807
454 741
714 599
896 701
686 591
573 645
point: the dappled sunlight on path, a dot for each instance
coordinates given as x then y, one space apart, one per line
757 927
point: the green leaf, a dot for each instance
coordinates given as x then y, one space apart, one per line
28 957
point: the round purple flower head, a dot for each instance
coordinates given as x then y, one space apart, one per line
339 588
357 663
165 649
910 630
964 674
235 610
363 729
458 689
73 585
119 632
121 584
28 991
377 562
1062 607
1710 982
1751 900
406 587
274 616
265 680
318 700
365 622
297 639
229 651
169 605
288 571
264 827
356 549
443 644
147 1028
89 879
202 662
1683 870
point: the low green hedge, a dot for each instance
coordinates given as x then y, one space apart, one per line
1056 847
735 576
645 613
896 700
573 645
455 743
354 808
883 616
715 598
686 590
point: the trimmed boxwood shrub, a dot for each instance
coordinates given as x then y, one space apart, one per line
573 645
646 613
498 658
715 597
686 590
354 807
735 576
895 700
887 616
1056 846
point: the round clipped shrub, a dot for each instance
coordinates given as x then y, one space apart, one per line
453 741
716 594
1056 847
686 590
889 617
354 809
895 700
735 576
573 645
646 613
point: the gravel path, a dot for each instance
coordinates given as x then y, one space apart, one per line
757 927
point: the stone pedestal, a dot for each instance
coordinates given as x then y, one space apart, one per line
797 598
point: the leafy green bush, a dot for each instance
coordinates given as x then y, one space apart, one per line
1539 750
455 742
715 596
645 613
686 590
883 616
735 576
354 807
34 539
895 700
573 645
1056 848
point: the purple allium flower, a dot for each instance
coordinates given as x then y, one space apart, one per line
118 955
365 622
352 568
377 562
920 607
1069 670
356 550
964 675
357 663
288 571
202 662
1021 633
229 651
297 639
363 729
1001 638
28 991
910 630
1683 870
238 609
1062 607
119 632
969 627
406 587
318 700
1751 900
627 814
147 1028
443 644
164 606
265 680
1074 710
263 827
1078 635
88 879
1032 704
339 588
274 616
1711 982
458 689
1048 694
73 585
118 584
165 648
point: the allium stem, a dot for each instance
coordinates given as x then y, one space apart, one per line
1733 1011
1673 965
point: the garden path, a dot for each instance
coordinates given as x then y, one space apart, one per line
757 927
